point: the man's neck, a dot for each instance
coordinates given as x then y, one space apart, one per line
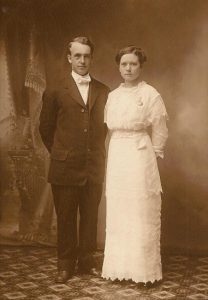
77 75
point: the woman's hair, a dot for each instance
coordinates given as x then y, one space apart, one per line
82 40
131 49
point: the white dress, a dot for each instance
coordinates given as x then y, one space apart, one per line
133 187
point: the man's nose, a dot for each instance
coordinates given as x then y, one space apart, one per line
82 59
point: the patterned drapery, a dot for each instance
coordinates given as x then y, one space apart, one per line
27 214
7 108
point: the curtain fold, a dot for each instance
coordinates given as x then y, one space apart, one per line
27 210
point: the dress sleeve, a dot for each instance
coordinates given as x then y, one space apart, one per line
106 109
158 117
105 114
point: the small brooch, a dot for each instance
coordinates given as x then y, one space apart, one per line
139 102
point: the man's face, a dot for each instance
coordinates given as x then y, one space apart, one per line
80 58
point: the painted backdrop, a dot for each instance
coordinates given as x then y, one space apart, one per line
174 35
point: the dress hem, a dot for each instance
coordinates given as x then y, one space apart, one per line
113 278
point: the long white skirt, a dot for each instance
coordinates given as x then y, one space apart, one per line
132 248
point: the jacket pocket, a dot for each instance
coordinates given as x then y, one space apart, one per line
57 154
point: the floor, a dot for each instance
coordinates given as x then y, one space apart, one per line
28 273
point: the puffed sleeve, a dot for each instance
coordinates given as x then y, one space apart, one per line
158 118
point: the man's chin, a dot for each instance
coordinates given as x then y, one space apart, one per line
82 72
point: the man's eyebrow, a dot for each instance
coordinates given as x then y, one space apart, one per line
85 54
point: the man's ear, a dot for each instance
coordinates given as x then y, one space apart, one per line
69 58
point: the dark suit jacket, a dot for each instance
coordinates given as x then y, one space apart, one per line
74 133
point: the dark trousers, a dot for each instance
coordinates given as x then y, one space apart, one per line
67 200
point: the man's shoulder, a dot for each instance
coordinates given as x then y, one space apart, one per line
57 85
100 85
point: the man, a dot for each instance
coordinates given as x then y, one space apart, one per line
72 128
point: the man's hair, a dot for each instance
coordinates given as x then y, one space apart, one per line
131 49
82 40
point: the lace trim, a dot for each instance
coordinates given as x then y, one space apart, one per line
135 279
158 117
132 88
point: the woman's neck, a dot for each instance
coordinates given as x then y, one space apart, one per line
132 83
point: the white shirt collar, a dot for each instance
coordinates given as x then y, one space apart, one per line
78 77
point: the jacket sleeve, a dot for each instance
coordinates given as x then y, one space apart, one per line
48 118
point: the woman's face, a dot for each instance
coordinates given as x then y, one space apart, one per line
130 67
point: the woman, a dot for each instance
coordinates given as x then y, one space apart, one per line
133 187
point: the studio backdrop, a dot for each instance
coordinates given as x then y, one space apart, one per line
33 40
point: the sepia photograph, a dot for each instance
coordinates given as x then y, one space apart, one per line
104 149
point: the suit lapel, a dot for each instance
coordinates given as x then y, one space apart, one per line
93 93
73 90
70 85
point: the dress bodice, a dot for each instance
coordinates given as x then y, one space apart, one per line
135 109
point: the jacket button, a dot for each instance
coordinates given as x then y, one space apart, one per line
85 130
82 110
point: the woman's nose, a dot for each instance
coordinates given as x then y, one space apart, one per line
128 67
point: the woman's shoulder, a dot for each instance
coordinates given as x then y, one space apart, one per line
115 91
150 90
114 94
155 100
